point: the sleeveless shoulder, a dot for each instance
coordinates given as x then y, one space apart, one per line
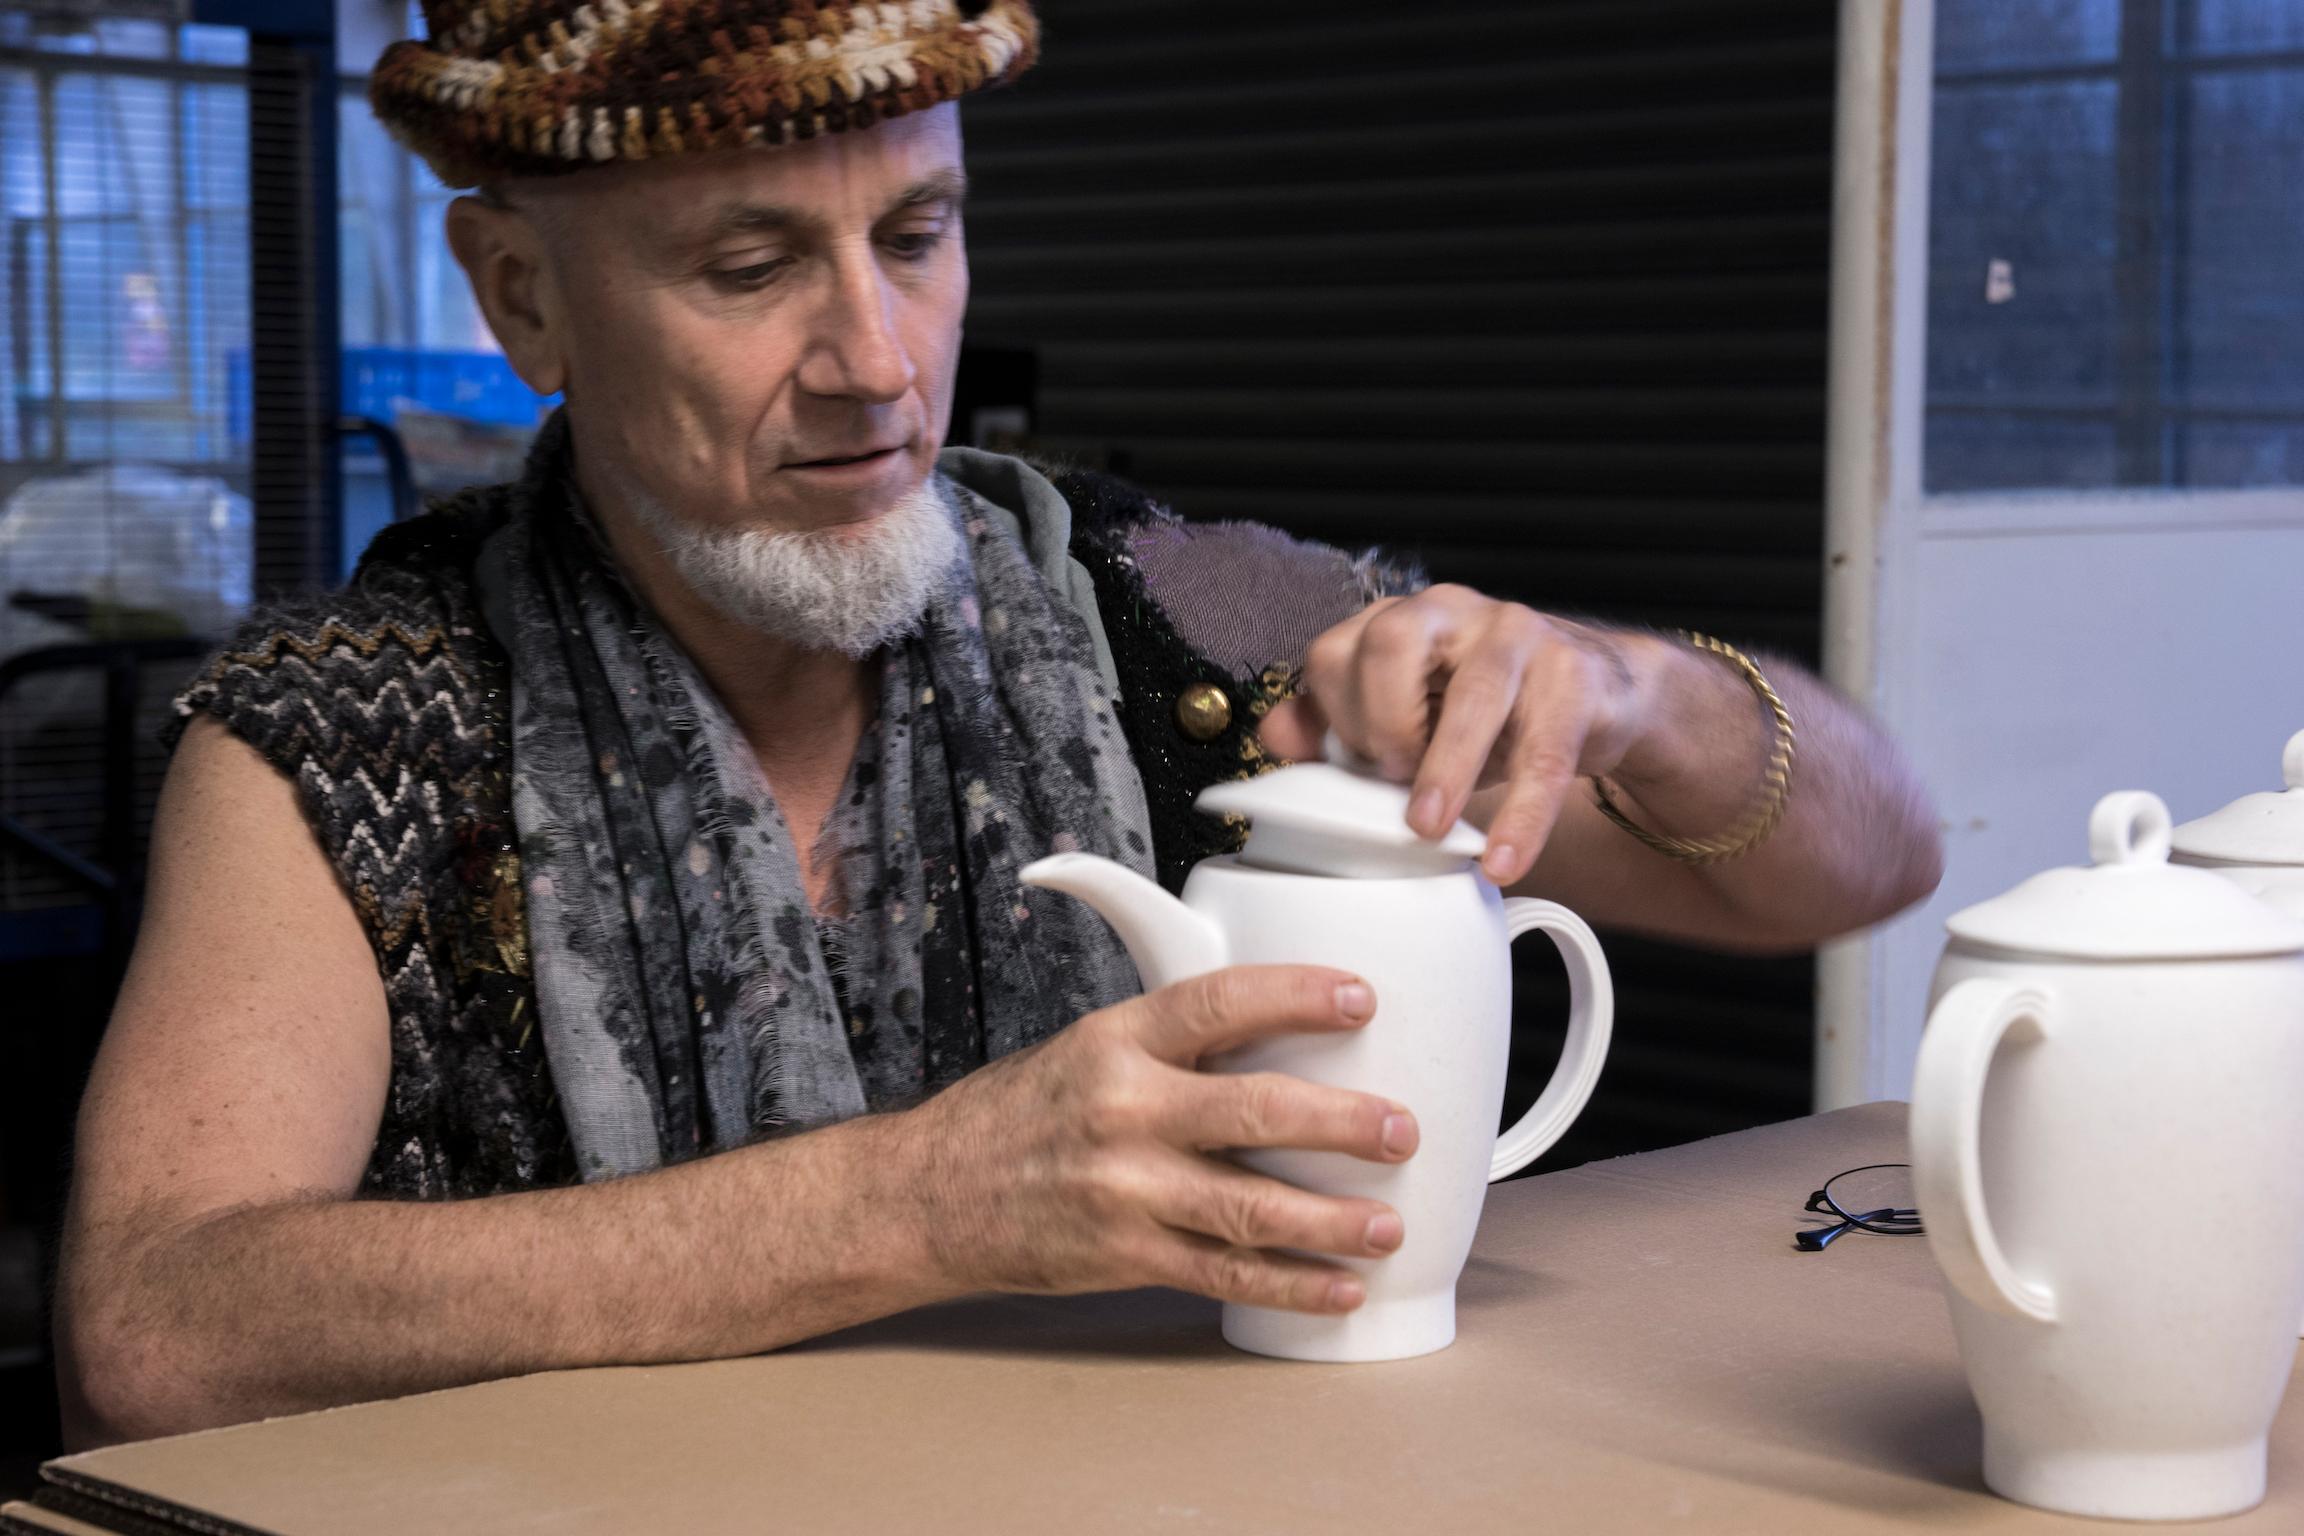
375 669
383 703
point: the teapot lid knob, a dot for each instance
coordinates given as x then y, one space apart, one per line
2292 762
2131 826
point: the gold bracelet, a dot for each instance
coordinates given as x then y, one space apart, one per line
1754 829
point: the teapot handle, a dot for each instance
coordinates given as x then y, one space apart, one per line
1962 1037
1591 1019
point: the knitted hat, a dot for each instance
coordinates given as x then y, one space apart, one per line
542 87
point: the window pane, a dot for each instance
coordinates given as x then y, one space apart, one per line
2022 244
22 200
121 37
212 45
2116 284
2231 453
216 146
1981 453
23 185
1998 34
2237 26
31 248
2241 295
118 338
217 245
114 149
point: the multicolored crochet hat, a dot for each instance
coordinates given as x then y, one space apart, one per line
544 87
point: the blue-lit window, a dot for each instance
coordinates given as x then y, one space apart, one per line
2116 265
123 239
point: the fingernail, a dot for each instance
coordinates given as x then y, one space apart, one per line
1355 1001
1344 1295
1500 858
1425 813
1399 1135
1383 1234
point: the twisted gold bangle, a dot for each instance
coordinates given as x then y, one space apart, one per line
1777 784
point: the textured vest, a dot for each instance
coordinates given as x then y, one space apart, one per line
386 704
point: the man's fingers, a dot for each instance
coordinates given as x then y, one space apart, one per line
1474 713
1252 1276
1248 1210
1293 729
1272 1109
1548 741
1402 651
1179 1024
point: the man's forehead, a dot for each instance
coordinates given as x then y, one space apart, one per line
739 210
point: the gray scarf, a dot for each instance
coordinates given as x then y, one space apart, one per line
689 1000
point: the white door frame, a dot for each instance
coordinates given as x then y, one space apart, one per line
1876 381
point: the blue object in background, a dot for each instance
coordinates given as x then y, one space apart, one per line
479 386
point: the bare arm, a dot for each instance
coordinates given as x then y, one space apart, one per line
1857 844
218 1268
1497 712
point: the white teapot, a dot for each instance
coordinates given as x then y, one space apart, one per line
2256 842
2110 1167
1332 874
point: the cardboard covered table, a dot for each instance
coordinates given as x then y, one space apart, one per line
1640 1348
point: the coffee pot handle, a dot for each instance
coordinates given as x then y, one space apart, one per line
1591 1018
1963 1036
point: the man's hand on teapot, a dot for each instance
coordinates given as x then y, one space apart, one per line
1451 691
1081 1163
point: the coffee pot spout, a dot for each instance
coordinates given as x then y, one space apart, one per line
1167 939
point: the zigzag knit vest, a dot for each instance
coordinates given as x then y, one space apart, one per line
386 704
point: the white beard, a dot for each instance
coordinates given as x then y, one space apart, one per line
838 589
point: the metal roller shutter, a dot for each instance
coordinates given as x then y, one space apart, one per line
1534 291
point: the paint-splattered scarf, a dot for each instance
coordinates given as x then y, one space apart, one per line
690 1001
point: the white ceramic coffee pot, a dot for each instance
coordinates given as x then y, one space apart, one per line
2110 1168
1332 874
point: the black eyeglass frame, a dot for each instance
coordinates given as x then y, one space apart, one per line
1888 1221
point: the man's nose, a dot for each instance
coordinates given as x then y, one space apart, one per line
856 351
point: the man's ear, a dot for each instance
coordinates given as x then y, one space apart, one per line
503 257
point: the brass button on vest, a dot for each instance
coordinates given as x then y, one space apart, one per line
1203 711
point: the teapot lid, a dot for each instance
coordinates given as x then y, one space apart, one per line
2263 828
1333 819
2132 904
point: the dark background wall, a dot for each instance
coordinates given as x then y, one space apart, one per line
1535 292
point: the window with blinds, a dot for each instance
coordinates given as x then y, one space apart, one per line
125 529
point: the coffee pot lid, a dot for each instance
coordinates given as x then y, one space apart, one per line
1337 818
2131 904
2263 828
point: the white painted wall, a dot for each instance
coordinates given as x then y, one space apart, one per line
2037 671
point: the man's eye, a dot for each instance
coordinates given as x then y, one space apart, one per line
749 278
916 245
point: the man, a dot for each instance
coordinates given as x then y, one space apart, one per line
622 871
